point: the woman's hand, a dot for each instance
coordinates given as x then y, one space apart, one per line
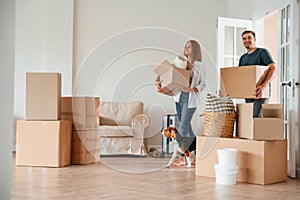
185 89
158 84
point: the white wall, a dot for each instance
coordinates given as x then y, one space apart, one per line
30 54
240 9
116 49
250 9
44 43
7 29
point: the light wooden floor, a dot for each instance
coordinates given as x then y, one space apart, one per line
135 178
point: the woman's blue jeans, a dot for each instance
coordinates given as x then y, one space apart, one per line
185 115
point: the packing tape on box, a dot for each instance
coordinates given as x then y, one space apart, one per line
180 62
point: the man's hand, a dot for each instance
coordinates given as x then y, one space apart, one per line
258 92
270 75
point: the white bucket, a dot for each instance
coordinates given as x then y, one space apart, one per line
226 176
227 158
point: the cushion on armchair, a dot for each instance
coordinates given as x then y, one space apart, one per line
119 113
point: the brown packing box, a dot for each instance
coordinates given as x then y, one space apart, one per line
43 93
82 111
259 162
173 78
240 82
85 147
269 127
43 143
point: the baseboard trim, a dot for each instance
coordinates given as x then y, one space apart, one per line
298 173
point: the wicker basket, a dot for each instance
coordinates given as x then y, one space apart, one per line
219 124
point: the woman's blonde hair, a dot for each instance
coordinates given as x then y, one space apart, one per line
196 51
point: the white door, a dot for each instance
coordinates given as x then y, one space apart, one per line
230 46
288 66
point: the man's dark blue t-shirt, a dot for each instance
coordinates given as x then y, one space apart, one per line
260 56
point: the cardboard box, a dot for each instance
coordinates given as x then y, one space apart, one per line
43 93
85 147
241 82
173 78
259 162
269 127
43 143
82 111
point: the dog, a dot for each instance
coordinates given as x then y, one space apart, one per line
183 145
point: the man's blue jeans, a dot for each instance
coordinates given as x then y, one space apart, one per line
257 107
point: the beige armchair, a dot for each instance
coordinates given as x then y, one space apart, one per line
122 128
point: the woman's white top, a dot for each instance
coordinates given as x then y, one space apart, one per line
198 81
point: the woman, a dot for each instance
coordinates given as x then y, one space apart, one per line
188 99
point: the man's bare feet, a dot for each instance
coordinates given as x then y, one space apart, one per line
180 162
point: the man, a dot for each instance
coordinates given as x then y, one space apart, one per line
257 56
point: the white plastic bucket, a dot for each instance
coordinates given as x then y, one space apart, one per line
227 158
226 176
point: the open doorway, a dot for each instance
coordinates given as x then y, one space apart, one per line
279 29
266 28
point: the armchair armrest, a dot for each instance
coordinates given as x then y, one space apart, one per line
139 123
141 120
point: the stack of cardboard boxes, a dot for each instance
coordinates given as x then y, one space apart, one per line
43 139
84 114
262 149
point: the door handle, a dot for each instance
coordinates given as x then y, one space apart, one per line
286 83
292 84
